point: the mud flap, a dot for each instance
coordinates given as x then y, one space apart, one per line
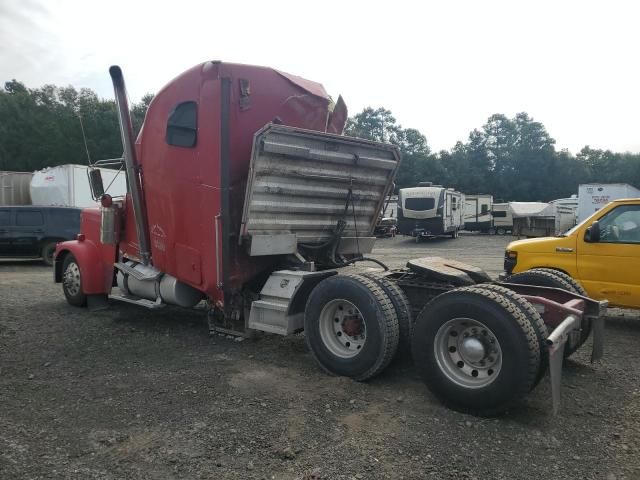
597 330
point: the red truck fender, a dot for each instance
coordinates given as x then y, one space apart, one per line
95 263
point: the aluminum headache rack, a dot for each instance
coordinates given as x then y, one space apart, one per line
302 183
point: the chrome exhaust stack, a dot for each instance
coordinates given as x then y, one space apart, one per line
131 163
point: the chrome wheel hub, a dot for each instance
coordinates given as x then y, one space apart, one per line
71 279
468 352
342 328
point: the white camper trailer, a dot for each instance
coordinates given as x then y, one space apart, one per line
429 211
477 213
502 218
593 196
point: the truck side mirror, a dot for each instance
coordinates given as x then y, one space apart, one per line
592 234
95 182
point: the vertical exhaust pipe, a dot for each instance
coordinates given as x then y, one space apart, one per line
131 163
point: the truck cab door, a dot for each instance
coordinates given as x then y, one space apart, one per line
28 230
609 268
6 231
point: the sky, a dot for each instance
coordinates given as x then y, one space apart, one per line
442 67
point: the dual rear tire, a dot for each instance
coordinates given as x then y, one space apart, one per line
479 349
351 326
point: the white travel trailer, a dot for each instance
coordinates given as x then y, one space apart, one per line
429 211
477 213
502 218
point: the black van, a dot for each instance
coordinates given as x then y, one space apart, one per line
33 232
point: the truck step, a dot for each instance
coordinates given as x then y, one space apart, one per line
143 302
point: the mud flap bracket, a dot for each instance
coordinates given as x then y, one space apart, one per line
556 342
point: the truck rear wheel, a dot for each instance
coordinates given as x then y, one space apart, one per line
72 282
351 327
476 350
547 277
400 304
536 322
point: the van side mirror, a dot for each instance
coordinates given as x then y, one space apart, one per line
95 182
592 234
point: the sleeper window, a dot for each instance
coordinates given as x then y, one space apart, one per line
182 126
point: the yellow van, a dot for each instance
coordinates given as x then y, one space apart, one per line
602 253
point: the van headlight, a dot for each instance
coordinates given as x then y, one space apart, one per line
510 260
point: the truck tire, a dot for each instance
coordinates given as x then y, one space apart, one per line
47 251
72 282
547 277
536 322
351 327
476 350
575 285
400 304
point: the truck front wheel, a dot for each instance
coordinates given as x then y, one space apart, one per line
72 282
476 350
351 327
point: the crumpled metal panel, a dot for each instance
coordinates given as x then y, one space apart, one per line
299 182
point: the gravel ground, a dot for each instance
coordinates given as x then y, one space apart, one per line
129 393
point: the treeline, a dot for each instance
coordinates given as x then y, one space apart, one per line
511 158
42 127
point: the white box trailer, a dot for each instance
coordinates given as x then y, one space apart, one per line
593 196
14 188
68 186
477 213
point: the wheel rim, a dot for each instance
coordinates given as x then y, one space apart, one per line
342 328
468 352
71 280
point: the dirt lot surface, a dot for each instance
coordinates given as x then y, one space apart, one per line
130 393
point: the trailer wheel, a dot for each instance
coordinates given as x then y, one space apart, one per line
534 318
400 304
72 282
351 327
476 350
500 231
547 277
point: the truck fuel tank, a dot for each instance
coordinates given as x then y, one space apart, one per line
145 281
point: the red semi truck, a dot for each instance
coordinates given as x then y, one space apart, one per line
244 193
